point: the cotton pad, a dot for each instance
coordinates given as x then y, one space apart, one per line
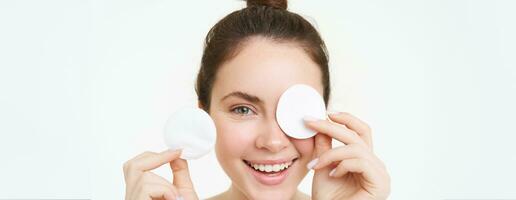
294 104
192 130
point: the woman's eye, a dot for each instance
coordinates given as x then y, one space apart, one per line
242 110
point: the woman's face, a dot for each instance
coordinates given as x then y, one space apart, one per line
243 107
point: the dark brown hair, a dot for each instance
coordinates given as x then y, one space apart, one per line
265 18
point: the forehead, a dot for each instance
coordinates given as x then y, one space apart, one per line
266 68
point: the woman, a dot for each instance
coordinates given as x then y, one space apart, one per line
250 58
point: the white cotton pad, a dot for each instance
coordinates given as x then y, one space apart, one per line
192 130
294 104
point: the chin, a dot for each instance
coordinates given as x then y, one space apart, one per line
256 191
259 185
272 193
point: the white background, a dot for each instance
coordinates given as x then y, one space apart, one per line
86 85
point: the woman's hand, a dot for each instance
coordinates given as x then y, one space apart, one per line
143 184
347 172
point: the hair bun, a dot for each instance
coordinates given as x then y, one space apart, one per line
280 4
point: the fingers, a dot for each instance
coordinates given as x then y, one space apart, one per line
373 176
147 161
143 184
353 162
151 178
355 124
152 191
150 160
150 185
359 166
356 159
334 130
342 153
322 144
181 174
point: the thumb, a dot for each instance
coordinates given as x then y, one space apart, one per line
181 174
322 144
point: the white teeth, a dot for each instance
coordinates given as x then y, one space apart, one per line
268 168
276 168
271 168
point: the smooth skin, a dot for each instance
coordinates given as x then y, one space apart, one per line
141 184
357 172
346 172
248 130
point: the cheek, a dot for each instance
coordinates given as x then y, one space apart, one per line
233 138
305 147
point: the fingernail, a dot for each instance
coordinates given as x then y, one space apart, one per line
312 163
310 119
332 172
179 198
332 112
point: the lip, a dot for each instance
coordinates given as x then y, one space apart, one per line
271 178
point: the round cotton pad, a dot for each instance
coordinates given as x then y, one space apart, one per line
192 130
297 102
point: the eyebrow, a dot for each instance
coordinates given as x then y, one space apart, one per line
243 95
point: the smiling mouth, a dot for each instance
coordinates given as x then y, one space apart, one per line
271 168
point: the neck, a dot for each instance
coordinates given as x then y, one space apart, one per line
234 193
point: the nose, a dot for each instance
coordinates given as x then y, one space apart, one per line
272 138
